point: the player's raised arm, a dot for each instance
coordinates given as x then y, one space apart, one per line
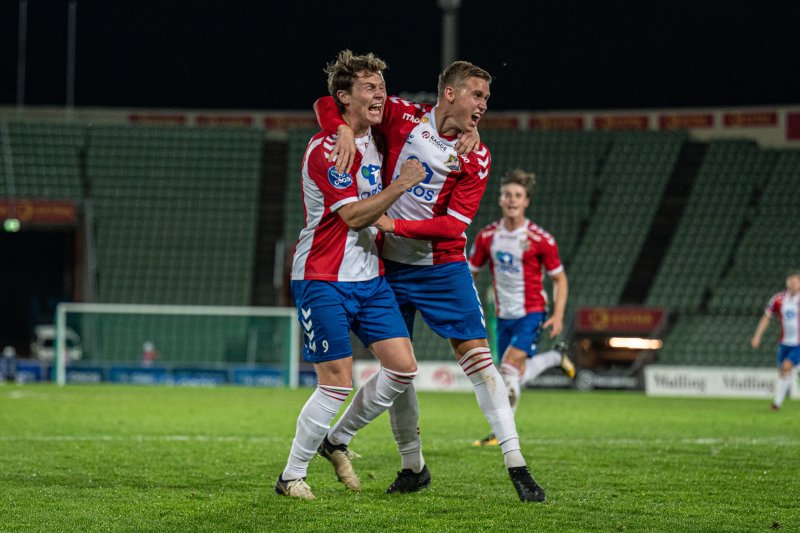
330 119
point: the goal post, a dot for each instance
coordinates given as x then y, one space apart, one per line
219 339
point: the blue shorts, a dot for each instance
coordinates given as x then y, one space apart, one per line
521 333
327 311
792 353
444 294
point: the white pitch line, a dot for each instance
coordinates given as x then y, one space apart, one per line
701 441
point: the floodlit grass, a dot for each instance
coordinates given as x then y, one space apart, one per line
122 458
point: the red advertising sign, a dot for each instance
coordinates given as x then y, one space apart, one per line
557 123
494 122
747 119
55 212
686 121
282 122
224 120
793 126
617 320
157 118
621 122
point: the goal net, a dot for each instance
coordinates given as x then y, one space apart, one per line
169 344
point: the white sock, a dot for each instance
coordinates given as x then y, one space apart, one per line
538 364
782 388
372 399
493 401
312 425
404 419
511 377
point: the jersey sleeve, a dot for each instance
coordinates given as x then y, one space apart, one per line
479 253
773 306
550 257
336 189
444 227
467 194
328 114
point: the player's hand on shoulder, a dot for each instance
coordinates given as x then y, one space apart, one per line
411 173
344 150
468 142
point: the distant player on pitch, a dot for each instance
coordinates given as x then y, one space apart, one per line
518 251
336 274
786 305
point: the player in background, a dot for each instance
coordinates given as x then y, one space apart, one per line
424 253
786 305
517 251
336 273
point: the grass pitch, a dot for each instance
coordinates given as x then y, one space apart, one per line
123 458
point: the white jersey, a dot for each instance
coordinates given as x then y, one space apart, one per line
327 248
516 258
787 307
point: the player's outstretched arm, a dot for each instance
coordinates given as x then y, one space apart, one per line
443 227
364 213
762 326
560 290
330 119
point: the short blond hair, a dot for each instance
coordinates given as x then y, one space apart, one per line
457 73
520 177
347 67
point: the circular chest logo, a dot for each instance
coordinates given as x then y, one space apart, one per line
340 181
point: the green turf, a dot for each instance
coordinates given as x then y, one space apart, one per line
121 458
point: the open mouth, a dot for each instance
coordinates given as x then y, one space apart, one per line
375 109
475 118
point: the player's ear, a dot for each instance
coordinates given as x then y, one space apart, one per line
343 96
450 94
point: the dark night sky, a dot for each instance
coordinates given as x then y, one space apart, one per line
559 54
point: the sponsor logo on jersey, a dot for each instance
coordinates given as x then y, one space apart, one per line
371 173
504 262
453 163
434 140
790 313
420 191
340 181
416 120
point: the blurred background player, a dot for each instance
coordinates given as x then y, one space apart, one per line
517 251
423 251
786 305
336 274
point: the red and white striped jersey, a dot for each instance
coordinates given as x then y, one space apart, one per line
454 184
516 259
787 307
327 248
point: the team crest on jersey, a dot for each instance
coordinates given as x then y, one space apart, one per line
339 180
524 244
453 163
